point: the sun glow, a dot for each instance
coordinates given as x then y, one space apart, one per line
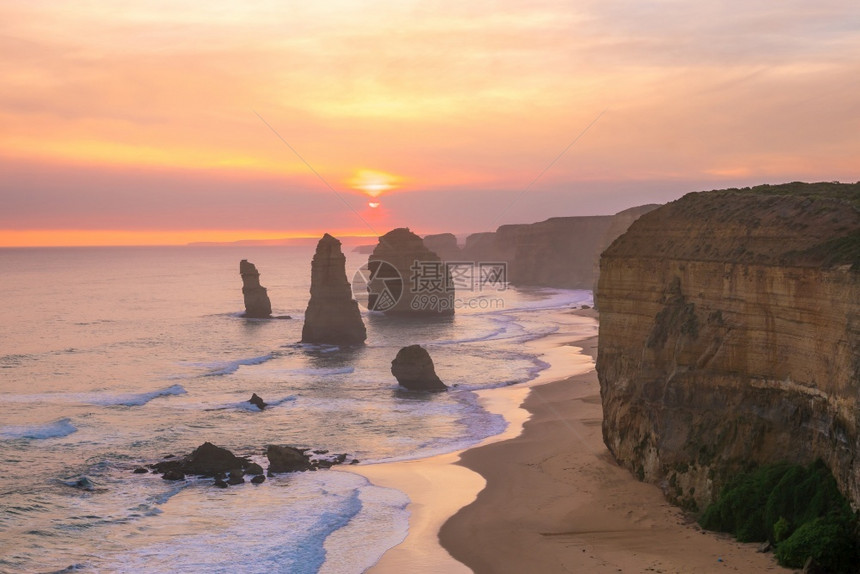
373 183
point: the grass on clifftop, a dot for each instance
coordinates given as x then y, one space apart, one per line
798 509
847 192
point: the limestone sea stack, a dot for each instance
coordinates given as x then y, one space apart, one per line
257 304
407 278
730 337
332 316
413 369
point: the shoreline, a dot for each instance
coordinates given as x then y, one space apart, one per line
556 501
439 486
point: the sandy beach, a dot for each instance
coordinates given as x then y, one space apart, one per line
546 495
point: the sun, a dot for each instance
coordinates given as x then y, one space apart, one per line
373 183
373 204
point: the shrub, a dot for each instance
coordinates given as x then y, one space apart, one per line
799 509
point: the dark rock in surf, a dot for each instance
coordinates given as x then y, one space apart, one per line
173 474
332 316
413 369
259 479
82 483
206 460
257 304
140 470
236 477
287 459
220 483
257 401
254 469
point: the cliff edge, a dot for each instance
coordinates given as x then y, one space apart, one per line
730 336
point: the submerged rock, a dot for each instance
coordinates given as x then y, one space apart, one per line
257 304
82 483
332 316
287 459
257 401
413 369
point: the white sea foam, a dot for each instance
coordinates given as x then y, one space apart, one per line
322 372
219 368
55 429
136 399
100 398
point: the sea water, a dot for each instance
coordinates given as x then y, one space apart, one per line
112 358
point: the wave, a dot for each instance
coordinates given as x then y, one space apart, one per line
219 368
322 372
136 399
100 399
55 429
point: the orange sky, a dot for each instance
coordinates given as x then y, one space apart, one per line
121 125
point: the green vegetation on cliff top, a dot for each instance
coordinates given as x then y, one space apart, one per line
798 509
800 224
847 192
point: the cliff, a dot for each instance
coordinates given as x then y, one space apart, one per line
332 316
730 336
558 252
444 245
257 304
618 225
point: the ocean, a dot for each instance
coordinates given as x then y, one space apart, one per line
113 358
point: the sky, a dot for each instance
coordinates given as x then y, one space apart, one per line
170 122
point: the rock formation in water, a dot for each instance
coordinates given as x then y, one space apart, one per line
408 278
257 304
206 460
413 369
332 316
257 401
287 459
444 245
730 336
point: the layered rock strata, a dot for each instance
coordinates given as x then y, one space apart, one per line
257 304
404 277
619 223
730 336
332 316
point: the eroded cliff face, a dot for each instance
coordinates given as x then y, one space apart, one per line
619 224
730 335
558 252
